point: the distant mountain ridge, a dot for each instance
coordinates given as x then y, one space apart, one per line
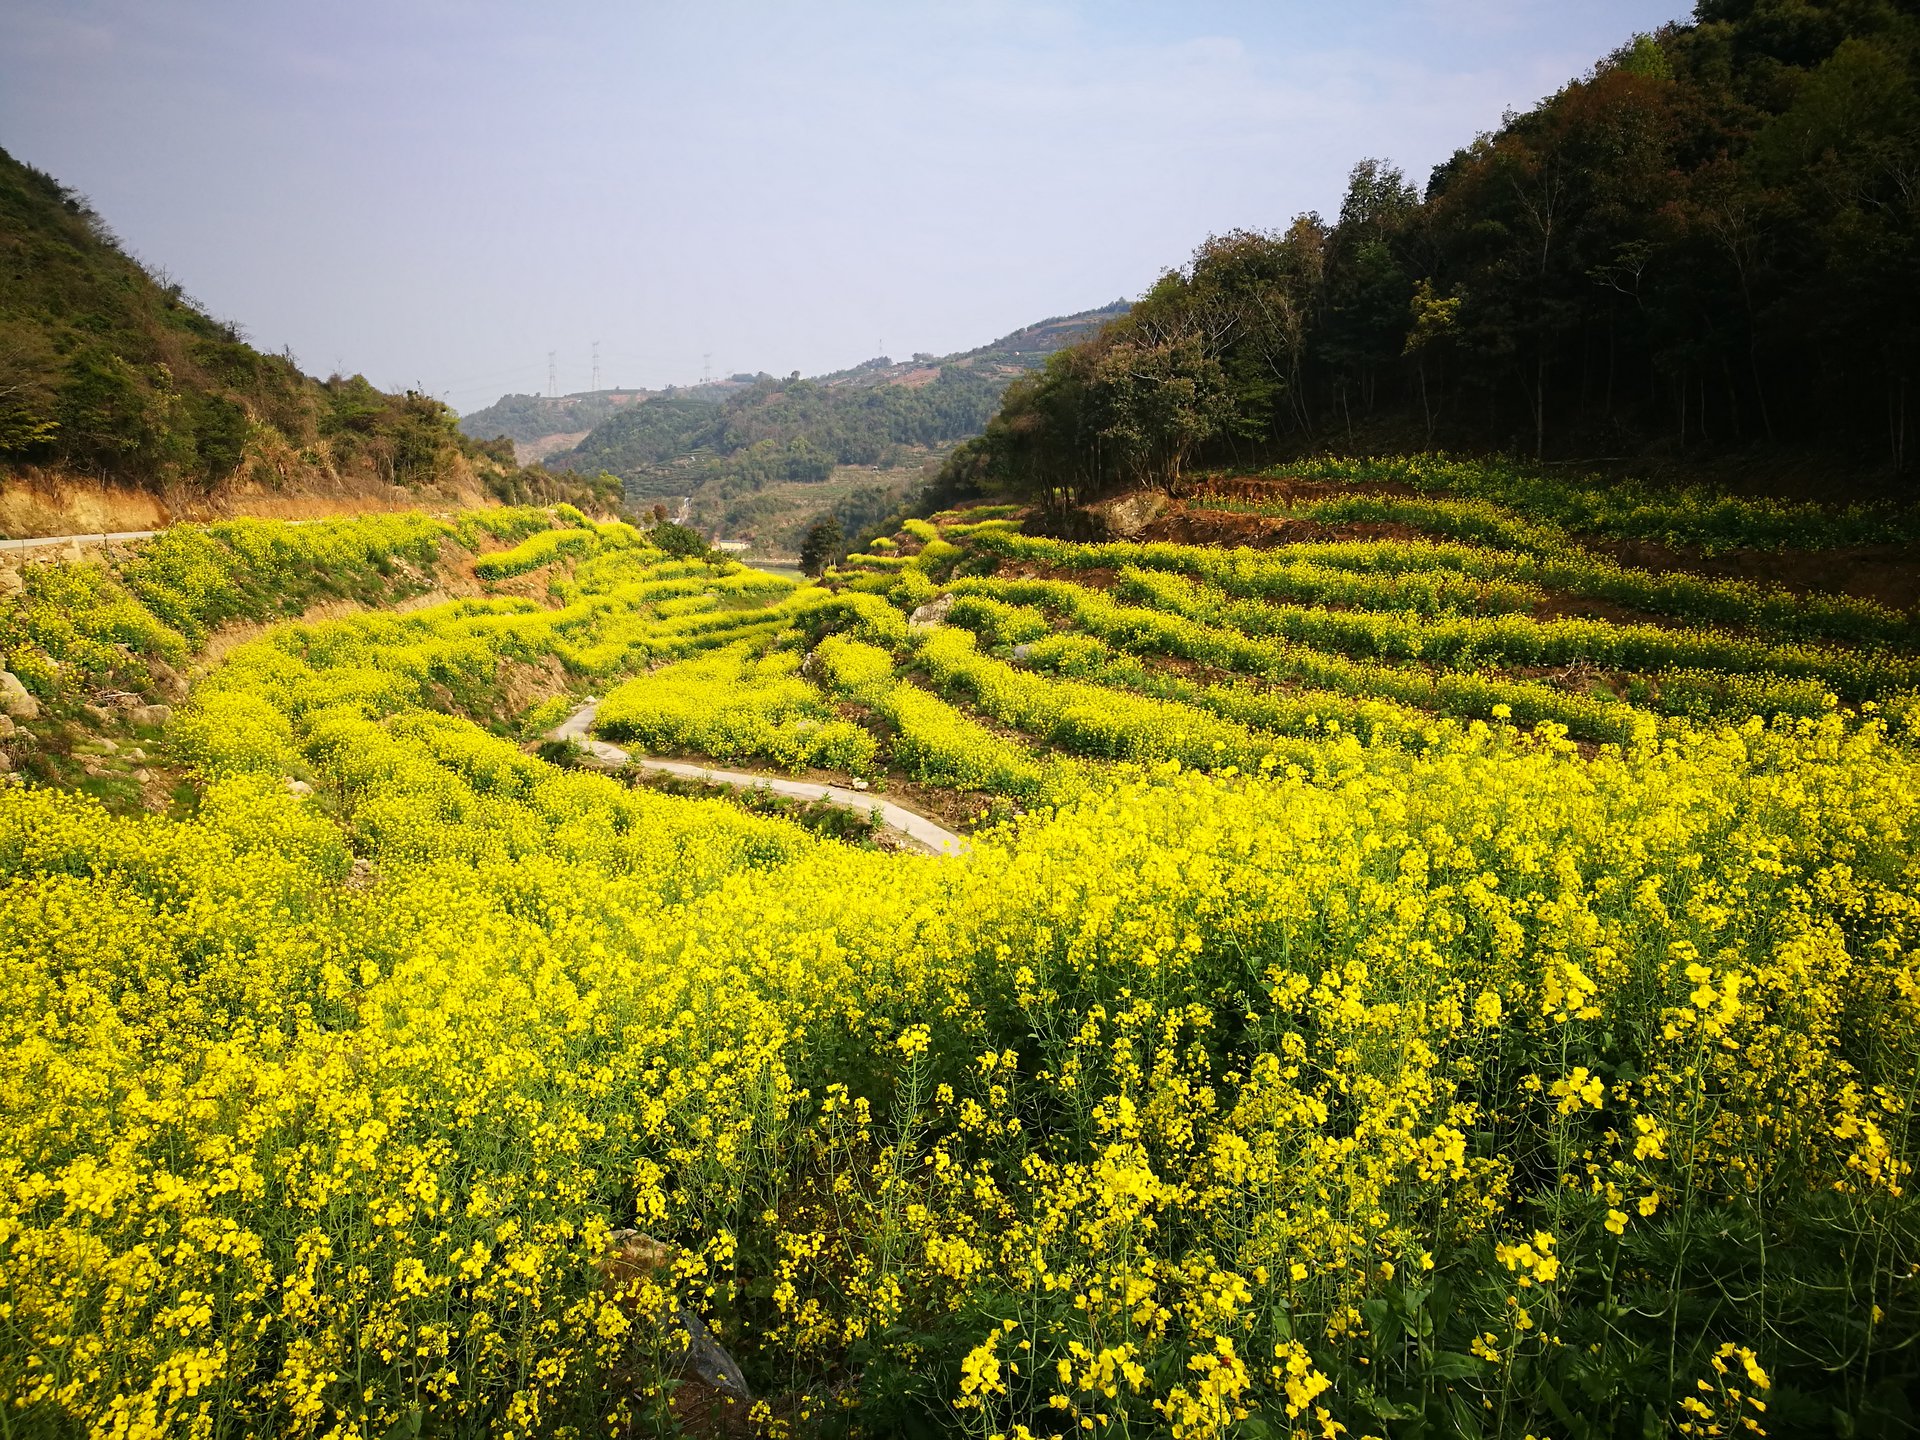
532 422
755 457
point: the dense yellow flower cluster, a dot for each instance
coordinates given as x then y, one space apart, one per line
1311 1083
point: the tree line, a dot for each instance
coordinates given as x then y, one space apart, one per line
1706 243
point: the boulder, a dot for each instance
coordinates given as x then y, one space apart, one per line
10 581
149 714
934 612
14 699
1125 516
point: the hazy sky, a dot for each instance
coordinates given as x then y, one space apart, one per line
438 193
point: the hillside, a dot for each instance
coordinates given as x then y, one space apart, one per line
743 451
123 404
1412 970
1205 938
538 423
1703 253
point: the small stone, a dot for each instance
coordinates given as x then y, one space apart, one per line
860 785
153 715
14 699
300 788
145 777
98 714
137 755
107 747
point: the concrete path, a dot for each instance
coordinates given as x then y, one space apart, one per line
43 541
917 828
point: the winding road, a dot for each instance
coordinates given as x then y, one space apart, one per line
917 828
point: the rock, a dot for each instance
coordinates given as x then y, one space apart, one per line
10 581
107 747
137 755
6 765
1022 650
98 714
859 784
6 725
1125 516
166 678
150 715
15 702
145 777
635 1258
934 612
299 788
361 876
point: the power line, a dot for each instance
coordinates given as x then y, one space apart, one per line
596 366
552 383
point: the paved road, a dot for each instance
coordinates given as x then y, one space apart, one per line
36 542
916 828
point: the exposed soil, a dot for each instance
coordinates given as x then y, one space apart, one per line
48 502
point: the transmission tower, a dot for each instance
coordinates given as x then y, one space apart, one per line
596 365
706 368
552 373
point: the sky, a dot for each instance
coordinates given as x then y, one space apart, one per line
440 193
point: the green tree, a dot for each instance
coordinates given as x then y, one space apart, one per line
679 540
822 546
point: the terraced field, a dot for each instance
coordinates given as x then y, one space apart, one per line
1412 975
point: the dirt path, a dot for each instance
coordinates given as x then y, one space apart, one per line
917 828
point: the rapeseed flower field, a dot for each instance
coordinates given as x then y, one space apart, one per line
1387 1004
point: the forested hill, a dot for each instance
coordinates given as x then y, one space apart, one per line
112 376
1705 244
756 429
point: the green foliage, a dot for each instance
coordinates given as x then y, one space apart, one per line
678 540
1708 243
823 545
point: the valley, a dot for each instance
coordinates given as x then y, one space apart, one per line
1332 850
